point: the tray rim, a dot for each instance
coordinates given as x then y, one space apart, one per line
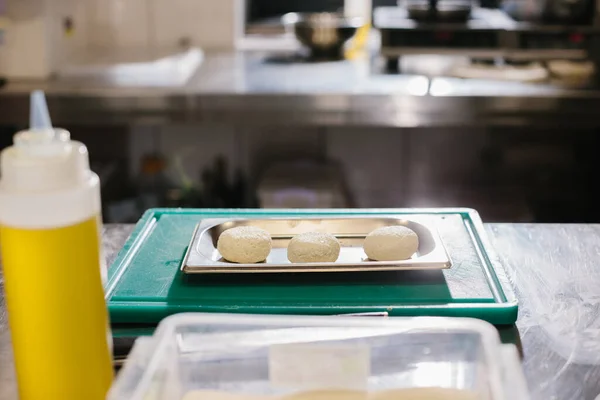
441 258
505 306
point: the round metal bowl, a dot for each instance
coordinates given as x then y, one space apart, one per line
323 33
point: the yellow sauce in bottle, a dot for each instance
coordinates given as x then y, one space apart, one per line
54 295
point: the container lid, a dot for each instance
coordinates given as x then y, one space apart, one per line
280 357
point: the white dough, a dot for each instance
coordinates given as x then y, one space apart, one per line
313 247
426 393
432 393
329 395
391 243
571 69
244 244
214 395
533 72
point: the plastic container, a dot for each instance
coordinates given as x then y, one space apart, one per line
270 357
50 242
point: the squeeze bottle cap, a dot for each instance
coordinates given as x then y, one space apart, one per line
42 158
39 118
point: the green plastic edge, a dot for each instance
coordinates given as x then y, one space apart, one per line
502 313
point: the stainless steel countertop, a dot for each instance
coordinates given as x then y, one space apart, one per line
557 278
253 87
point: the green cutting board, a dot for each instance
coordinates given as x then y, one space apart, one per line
145 282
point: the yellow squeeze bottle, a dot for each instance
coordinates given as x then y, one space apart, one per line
50 244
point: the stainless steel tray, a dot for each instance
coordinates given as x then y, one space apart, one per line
203 257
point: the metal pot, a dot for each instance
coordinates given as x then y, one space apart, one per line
323 33
550 11
439 11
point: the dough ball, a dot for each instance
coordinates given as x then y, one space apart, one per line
244 244
313 247
391 243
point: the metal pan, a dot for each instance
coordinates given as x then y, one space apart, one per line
203 257
448 11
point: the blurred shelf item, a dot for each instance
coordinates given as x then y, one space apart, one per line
303 184
219 191
147 190
153 183
243 88
168 69
494 204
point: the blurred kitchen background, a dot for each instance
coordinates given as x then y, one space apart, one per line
319 103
